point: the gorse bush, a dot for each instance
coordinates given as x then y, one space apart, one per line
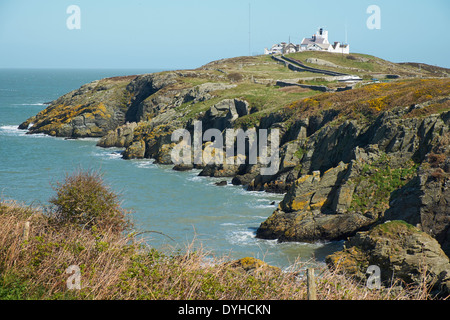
83 199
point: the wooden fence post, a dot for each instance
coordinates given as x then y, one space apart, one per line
311 284
26 231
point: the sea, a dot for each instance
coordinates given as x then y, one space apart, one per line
173 210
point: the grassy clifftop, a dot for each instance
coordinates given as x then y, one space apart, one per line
367 66
101 106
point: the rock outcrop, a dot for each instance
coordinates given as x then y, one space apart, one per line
122 137
253 266
90 111
401 251
425 201
223 114
332 200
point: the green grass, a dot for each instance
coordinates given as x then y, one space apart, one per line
263 99
379 181
393 227
300 153
267 68
354 63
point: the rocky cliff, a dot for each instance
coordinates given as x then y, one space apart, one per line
404 254
349 160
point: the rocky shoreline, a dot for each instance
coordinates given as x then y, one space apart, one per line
352 164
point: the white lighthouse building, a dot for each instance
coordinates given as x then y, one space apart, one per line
318 42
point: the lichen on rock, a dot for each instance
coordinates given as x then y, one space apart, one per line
401 251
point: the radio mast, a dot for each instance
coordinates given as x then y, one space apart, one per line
249 30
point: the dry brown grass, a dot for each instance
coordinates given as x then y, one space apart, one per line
113 267
119 266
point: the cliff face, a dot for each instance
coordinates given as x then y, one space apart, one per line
403 254
376 161
349 160
98 107
90 111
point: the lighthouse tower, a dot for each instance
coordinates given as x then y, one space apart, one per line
322 34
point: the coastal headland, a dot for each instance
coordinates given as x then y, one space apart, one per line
364 159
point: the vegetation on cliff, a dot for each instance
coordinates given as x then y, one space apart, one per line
350 159
117 265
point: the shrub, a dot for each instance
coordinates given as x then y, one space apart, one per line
84 200
235 77
436 160
438 174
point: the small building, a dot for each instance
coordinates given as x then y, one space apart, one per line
282 48
318 42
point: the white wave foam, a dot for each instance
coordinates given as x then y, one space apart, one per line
114 155
195 178
226 224
12 131
107 155
262 206
261 194
241 237
87 139
28 104
260 217
145 164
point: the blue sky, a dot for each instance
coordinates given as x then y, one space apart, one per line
177 34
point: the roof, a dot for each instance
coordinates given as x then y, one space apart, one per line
318 40
315 44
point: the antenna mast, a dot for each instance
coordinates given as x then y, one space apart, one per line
249 30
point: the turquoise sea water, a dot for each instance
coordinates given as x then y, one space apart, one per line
185 207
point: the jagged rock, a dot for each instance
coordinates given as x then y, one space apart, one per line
331 145
313 191
243 180
307 214
221 170
203 92
290 157
90 111
279 183
246 176
143 91
397 138
425 201
159 107
153 142
330 167
330 206
183 167
309 226
135 151
120 138
165 153
253 265
400 250
222 115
